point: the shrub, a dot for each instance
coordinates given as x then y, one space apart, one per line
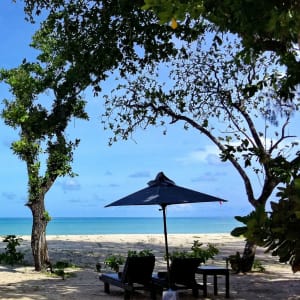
204 254
59 268
11 256
141 253
196 251
257 265
114 261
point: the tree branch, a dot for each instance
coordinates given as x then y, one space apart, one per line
247 182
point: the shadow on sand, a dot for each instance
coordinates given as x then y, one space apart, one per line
23 283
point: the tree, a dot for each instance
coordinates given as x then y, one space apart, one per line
262 26
214 92
42 144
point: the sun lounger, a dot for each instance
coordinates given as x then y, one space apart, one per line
136 275
182 276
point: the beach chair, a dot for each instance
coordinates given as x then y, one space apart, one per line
136 275
182 276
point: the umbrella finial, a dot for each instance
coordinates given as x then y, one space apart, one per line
161 179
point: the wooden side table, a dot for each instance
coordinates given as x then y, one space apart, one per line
214 271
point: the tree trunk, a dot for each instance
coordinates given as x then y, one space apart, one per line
38 236
245 262
248 256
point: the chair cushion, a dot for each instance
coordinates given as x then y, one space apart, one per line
183 270
138 269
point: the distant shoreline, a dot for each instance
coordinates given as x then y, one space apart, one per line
121 225
136 217
132 235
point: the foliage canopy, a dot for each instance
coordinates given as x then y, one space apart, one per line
262 25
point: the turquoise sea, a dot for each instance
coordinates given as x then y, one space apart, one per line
106 225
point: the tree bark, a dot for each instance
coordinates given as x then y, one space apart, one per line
38 236
245 262
248 256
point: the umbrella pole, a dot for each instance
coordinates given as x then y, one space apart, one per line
166 245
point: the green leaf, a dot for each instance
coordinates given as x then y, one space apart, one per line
239 231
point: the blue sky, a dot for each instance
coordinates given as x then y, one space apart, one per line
109 173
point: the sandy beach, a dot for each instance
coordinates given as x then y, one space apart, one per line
85 251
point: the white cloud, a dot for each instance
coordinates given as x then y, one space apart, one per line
70 185
9 196
209 154
141 174
209 176
186 207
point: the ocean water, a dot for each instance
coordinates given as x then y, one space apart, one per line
106 225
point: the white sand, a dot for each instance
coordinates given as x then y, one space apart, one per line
277 282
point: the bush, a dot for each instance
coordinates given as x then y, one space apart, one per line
257 265
141 253
196 251
59 268
114 261
204 254
11 256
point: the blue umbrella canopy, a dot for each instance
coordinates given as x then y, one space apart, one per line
163 191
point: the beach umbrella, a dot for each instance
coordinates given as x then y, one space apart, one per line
163 191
